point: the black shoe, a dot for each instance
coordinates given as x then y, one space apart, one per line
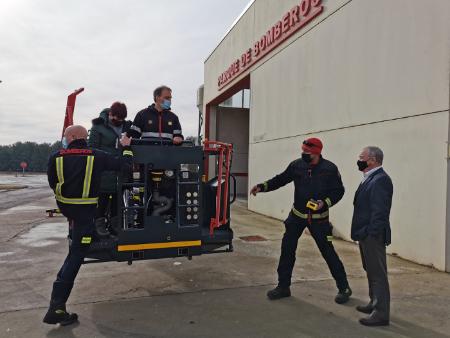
60 316
373 321
365 308
343 296
279 292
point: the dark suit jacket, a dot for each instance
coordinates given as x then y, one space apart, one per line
372 206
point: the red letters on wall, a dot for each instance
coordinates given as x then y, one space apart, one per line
299 16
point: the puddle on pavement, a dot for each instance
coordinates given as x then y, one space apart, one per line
43 235
3 254
23 208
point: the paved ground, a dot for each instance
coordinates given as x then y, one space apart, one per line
219 295
18 208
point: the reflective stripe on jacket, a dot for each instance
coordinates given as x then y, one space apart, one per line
74 173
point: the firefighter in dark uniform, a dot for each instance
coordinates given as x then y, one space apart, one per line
74 175
158 121
316 180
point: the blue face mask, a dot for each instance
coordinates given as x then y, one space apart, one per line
166 104
64 142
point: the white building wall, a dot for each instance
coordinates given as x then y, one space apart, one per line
363 73
370 61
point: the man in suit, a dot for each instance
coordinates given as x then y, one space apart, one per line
371 227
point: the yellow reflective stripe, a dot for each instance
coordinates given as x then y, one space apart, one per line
328 201
60 174
66 200
299 214
86 240
151 246
329 238
266 186
313 216
87 176
127 152
86 185
320 216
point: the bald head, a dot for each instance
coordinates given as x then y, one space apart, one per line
73 133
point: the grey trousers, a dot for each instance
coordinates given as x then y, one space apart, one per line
373 255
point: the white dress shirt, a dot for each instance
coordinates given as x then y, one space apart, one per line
370 172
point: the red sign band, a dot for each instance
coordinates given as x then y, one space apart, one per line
299 16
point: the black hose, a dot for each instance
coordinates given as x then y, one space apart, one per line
164 202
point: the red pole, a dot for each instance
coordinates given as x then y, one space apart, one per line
227 181
70 107
206 162
219 193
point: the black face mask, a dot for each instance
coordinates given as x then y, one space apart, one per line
362 165
116 123
306 157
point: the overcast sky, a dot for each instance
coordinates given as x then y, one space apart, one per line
117 50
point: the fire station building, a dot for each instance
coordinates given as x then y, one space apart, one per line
353 73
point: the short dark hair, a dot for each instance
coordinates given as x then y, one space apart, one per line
119 110
376 153
158 91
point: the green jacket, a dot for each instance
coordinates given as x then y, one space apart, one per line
103 137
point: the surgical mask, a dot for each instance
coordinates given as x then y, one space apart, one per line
306 157
166 104
64 142
362 165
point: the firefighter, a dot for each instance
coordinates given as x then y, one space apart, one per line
158 120
318 186
74 175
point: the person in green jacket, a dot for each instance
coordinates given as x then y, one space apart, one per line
105 135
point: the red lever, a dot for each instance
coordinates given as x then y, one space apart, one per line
70 107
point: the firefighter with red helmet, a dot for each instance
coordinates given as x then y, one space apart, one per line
318 187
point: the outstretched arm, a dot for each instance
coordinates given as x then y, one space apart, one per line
135 130
276 182
117 163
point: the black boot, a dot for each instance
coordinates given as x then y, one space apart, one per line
57 314
374 320
365 308
279 292
343 296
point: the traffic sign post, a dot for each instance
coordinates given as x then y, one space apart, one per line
23 165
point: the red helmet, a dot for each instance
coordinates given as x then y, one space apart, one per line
312 145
